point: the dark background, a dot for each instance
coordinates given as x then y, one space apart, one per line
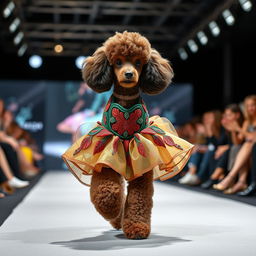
204 69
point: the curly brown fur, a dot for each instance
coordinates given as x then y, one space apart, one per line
157 74
110 64
127 44
137 212
107 193
97 72
117 222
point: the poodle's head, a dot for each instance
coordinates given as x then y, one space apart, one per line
127 60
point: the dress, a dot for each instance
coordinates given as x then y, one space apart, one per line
129 142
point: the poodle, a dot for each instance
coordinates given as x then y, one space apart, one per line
136 143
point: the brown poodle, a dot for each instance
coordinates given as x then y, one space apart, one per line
128 62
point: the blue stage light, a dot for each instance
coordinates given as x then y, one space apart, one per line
35 61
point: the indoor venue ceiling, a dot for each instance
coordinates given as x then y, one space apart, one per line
81 26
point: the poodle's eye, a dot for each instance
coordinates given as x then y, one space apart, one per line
118 62
137 63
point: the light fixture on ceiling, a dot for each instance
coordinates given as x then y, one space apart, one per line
214 28
22 50
17 39
14 25
8 9
80 61
192 45
202 37
35 61
228 17
58 48
246 5
183 54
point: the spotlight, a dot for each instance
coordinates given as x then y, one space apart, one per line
202 37
183 54
58 48
214 28
35 61
246 5
192 45
229 18
8 9
14 25
17 39
80 61
22 50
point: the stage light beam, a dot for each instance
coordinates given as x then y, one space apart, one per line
202 37
214 28
17 39
8 9
246 5
35 61
228 17
80 61
183 54
14 25
22 50
192 46
58 48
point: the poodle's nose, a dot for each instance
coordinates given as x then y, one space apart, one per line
128 74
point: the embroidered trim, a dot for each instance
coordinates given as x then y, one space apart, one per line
125 122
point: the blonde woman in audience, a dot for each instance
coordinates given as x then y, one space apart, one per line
241 164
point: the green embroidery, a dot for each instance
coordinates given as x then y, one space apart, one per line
125 134
140 121
95 130
126 115
110 120
157 129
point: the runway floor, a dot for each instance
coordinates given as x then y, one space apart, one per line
57 218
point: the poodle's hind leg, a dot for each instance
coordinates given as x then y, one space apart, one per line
107 195
137 212
117 222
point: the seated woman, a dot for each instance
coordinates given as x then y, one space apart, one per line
247 132
27 146
252 188
199 163
231 117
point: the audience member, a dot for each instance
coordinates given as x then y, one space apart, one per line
241 164
225 155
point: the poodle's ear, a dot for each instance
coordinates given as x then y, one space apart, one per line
97 72
157 74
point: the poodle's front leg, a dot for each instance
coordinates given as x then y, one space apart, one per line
138 206
107 194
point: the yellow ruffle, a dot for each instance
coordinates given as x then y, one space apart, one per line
165 161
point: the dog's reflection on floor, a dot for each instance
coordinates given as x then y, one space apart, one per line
113 240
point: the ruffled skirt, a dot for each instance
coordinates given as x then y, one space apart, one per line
156 148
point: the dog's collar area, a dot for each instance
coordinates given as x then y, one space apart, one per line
126 97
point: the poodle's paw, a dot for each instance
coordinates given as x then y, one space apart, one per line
136 230
116 223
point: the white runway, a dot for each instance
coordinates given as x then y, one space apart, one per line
57 218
